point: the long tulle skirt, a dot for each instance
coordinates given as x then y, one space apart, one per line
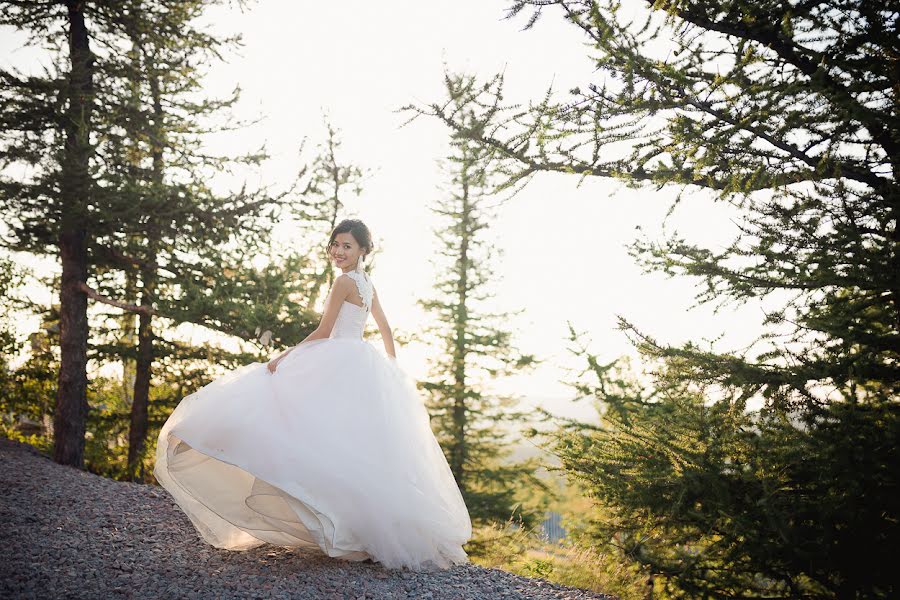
334 450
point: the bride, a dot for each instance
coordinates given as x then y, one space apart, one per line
328 445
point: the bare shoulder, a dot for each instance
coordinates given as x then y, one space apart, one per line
343 285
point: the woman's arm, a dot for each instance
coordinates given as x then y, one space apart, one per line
339 292
384 328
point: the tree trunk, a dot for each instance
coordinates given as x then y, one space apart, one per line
137 433
71 397
75 190
459 455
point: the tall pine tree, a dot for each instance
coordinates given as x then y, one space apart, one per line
473 423
48 125
181 235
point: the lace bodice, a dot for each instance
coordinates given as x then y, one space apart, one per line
351 319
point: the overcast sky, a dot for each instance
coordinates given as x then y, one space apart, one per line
564 245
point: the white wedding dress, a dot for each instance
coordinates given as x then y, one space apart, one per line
333 450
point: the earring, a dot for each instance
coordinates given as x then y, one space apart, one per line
359 263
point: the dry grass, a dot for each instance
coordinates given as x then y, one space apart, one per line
514 549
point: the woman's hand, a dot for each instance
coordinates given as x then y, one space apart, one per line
273 364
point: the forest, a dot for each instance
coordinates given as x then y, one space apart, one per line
768 471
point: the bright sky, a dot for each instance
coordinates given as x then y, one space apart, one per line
564 245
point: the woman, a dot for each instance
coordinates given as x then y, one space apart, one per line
328 445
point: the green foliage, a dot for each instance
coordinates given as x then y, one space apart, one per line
27 389
728 95
27 395
11 278
722 501
107 444
179 236
538 568
246 301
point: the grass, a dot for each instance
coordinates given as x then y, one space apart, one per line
512 548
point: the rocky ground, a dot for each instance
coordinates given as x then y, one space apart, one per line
65 533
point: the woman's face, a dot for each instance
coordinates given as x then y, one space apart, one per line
345 251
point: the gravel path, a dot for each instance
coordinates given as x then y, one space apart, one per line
66 533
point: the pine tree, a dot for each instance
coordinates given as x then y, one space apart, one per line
162 69
181 231
788 111
469 420
714 501
48 124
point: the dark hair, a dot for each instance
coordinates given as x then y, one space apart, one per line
358 230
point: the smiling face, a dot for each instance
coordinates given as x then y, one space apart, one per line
345 251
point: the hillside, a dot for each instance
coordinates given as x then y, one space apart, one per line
69 533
